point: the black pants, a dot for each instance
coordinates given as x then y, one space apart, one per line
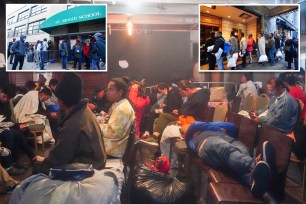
20 59
87 62
15 141
244 60
211 61
75 62
150 121
299 146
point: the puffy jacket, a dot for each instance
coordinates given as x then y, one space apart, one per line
19 47
93 51
101 48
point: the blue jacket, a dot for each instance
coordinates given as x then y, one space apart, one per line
101 48
19 47
282 113
230 128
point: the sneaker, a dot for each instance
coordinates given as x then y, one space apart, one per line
13 171
260 179
4 152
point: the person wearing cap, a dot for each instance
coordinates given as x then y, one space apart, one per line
19 50
64 53
93 53
79 137
43 51
86 52
77 54
9 54
101 48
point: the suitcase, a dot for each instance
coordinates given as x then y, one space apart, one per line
30 57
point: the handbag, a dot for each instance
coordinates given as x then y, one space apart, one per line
72 172
287 48
279 54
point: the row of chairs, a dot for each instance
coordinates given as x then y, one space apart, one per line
251 103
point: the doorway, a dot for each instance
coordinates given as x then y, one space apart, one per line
205 33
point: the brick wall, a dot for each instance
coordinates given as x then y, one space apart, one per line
228 25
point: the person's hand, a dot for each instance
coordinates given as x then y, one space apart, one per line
91 106
39 158
254 116
162 105
175 112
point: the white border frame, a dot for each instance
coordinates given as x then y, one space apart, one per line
60 70
233 71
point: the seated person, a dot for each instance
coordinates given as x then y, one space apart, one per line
121 117
246 87
170 99
11 137
282 110
51 103
215 144
29 86
99 101
79 137
195 106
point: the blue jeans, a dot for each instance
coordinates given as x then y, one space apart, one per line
220 63
227 153
94 64
271 54
43 58
64 62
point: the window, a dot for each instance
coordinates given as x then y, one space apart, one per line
23 15
33 28
38 9
10 21
21 30
9 33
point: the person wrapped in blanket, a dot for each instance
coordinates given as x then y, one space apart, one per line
215 144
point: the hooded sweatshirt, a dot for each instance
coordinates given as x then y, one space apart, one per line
19 47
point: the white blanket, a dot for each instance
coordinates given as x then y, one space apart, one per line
25 110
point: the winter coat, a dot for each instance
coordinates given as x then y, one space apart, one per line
93 51
262 46
250 44
101 48
290 52
76 54
19 47
85 50
140 105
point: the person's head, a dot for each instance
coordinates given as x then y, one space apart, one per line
14 39
29 86
23 38
7 92
44 94
290 81
163 88
212 34
69 91
100 92
186 88
45 39
117 89
78 41
259 35
52 84
250 36
63 41
276 86
98 35
41 80
245 77
218 34
242 35
271 35
232 33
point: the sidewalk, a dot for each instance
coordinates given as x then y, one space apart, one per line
279 65
57 66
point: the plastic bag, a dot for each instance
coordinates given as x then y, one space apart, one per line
219 53
263 58
231 62
154 187
279 54
210 48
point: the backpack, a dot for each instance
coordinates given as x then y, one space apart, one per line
77 49
227 47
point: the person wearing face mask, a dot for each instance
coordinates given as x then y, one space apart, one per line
282 111
19 49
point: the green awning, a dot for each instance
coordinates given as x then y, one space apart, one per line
73 15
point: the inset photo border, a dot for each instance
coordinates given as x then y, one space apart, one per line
268 29
56 37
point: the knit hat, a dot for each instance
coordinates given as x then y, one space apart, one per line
69 89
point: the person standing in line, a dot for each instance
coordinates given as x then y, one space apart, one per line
211 58
93 53
9 53
64 53
77 54
43 49
19 49
101 49
219 43
243 47
86 51
271 47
